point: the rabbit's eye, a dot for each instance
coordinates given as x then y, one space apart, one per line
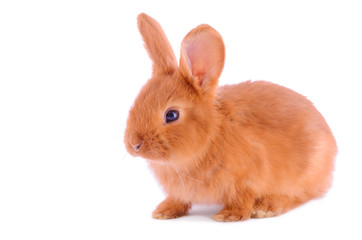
171 115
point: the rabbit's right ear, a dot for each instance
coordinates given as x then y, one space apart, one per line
202 58
157 45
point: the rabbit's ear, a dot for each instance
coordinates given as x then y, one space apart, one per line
157 45
202 58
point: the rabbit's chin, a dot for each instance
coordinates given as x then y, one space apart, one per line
158 162
150 158
154 156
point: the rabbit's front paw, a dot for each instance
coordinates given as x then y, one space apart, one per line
232 215
170 208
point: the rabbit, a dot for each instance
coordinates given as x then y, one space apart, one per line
255 148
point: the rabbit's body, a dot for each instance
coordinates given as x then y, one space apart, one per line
257 148
284 155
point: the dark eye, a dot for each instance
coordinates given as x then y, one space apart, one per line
171 115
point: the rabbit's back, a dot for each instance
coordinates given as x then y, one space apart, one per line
283 133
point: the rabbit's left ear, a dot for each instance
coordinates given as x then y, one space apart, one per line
202 58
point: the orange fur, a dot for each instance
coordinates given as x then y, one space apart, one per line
257 148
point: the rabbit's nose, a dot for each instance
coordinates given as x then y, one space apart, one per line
137 146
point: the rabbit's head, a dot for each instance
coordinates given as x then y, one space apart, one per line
174 115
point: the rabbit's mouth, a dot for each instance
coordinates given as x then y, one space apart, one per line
153 150
148 148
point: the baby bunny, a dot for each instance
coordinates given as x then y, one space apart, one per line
256 148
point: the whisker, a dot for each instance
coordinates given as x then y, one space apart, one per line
194 179
182 182
124 157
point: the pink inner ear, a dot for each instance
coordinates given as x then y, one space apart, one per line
201 54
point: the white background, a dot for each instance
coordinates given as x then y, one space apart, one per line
70 70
